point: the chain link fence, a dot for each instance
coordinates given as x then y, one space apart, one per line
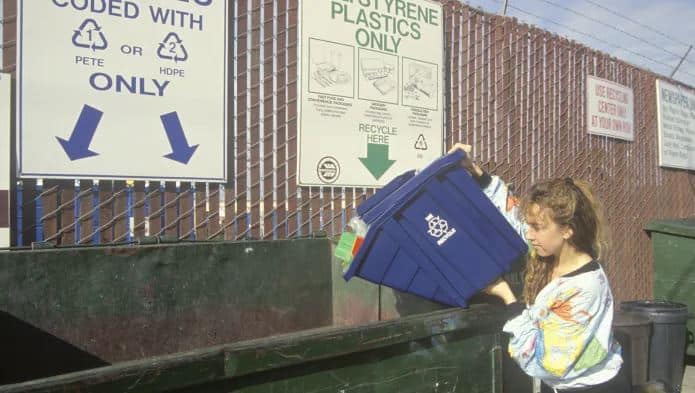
515 92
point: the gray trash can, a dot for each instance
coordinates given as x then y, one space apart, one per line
668 339
632 330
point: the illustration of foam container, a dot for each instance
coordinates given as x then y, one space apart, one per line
436 235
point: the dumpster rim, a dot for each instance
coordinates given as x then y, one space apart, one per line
684 227
415 327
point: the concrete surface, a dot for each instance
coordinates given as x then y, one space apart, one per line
689 380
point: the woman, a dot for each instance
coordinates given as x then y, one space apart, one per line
561 330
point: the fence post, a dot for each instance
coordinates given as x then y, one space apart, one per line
146 208
193 212
20 213
39 211
178 210
96 236
162 202
130 185
76 213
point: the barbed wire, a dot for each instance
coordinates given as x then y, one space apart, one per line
594 37
653 30
612 27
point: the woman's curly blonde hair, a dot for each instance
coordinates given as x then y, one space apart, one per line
567 202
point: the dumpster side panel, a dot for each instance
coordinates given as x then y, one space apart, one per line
674 271
444 351
23 358
397 304
354 302
132 302
446 363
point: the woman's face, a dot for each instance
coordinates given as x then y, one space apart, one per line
544 234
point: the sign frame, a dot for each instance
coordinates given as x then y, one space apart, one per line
439 143
597 128
6 157
179 148
690 101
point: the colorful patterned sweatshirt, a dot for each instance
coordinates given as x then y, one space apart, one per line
565 337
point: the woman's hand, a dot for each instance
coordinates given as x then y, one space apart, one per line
467 163
501 289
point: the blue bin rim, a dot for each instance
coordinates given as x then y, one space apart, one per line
390 187
432 170
435 168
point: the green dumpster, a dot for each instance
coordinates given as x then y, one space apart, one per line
230 316
92 306
673 244
444 351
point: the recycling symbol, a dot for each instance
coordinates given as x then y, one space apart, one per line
172 48
89 35
421 144
437 227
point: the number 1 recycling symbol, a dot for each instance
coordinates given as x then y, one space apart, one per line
89 35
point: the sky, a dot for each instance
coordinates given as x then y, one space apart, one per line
649 34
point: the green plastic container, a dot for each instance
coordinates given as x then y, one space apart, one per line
673 244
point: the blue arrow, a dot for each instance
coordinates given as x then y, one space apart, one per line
180 150
77 146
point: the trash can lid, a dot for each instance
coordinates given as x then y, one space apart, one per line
658 311
624 318
683 227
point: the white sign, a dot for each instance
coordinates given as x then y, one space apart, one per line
371 94
676 118
610 109
2 40
5 104
123 89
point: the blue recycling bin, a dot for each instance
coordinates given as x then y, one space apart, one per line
436 235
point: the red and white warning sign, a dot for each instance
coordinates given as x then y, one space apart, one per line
610 109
